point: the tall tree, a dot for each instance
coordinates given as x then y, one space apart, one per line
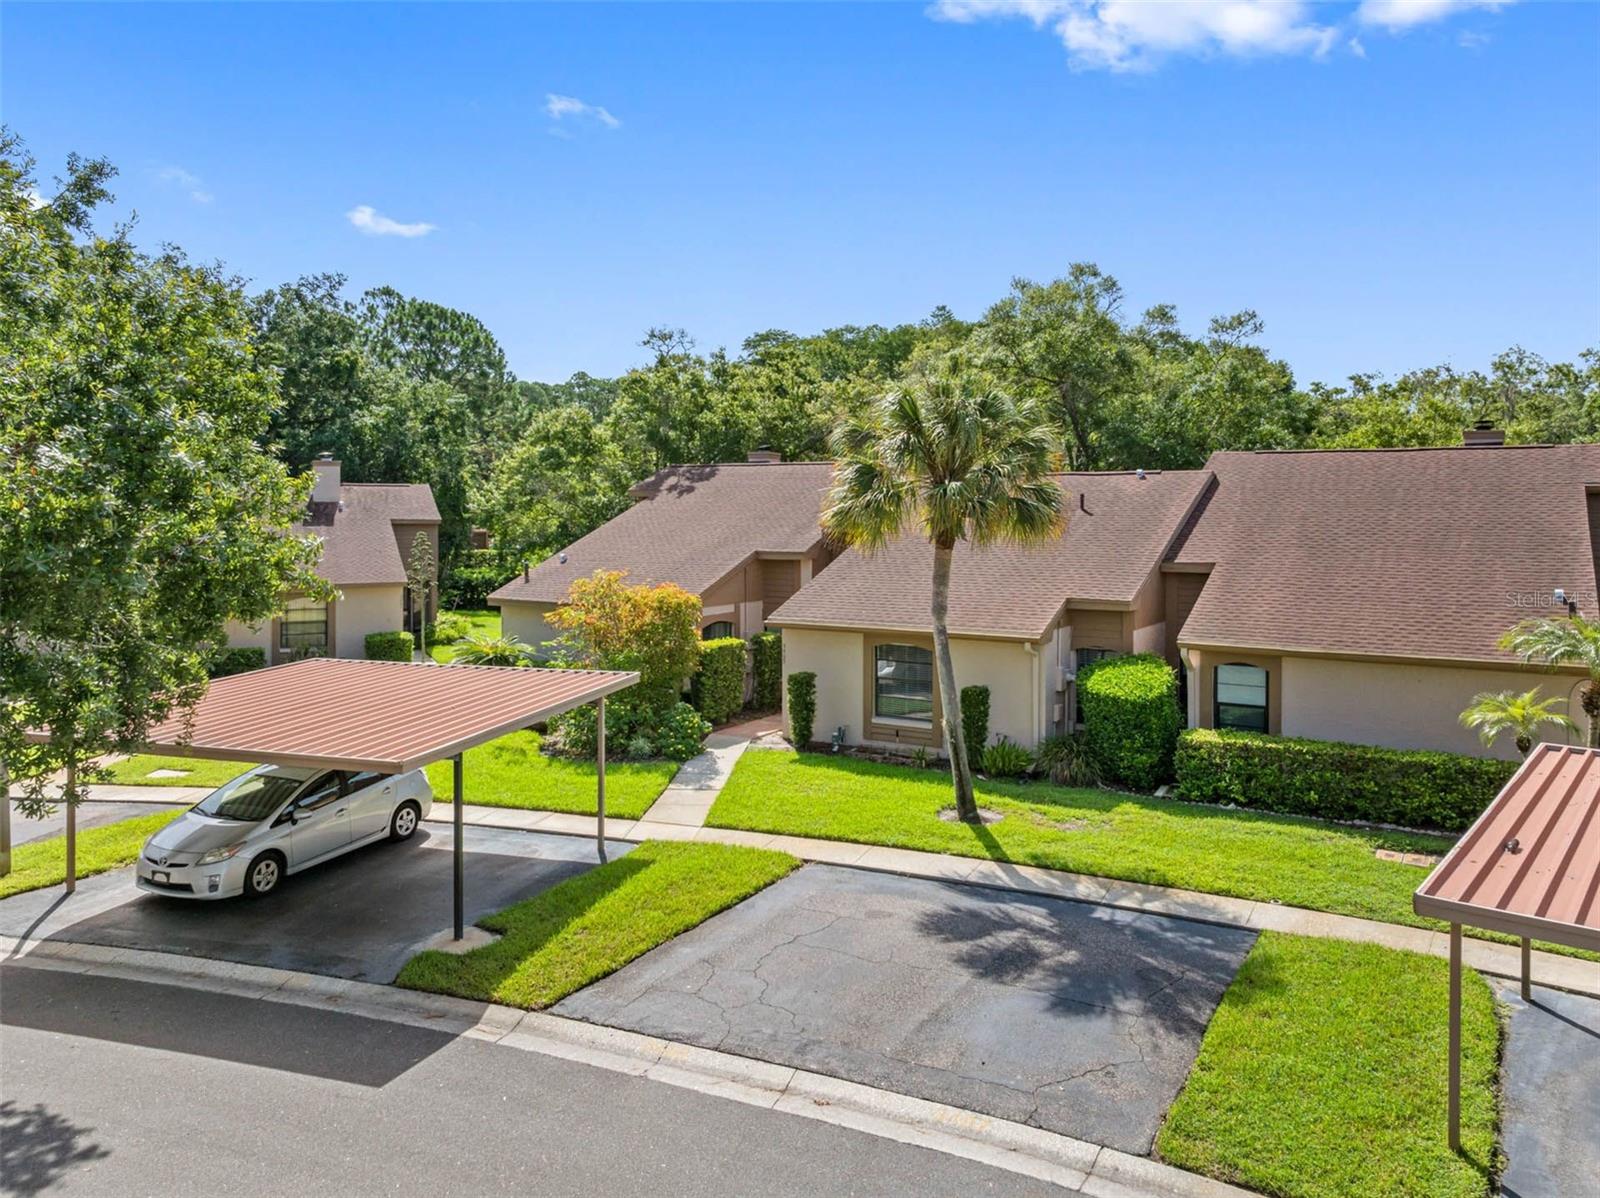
140 511
954 461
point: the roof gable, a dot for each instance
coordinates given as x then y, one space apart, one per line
359 544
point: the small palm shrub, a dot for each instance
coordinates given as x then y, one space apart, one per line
1065 759
975 720
1006 759
494 651
802 707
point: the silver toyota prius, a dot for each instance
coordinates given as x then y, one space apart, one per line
246 836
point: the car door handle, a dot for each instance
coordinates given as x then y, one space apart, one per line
340 811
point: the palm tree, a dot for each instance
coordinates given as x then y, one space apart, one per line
1563 641
1492 713
956 461
494 651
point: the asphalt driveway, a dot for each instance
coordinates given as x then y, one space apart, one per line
359 916
1073 1017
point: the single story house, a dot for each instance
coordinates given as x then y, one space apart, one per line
1345 595
743 536
367 530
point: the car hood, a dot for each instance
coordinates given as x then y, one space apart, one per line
192 833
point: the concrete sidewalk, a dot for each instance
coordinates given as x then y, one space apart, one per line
688 797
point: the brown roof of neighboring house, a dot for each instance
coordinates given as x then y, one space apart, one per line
1104 556
1419 553
691 525
358 538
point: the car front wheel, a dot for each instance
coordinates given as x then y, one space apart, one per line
404 821
264 874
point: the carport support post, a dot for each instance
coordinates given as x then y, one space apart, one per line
461 865
1455 1037
1527 970
600 775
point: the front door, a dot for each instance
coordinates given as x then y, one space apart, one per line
321 820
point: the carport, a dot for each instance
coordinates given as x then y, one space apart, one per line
385 716
1529 866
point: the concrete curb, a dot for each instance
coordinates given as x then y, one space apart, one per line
1074 1165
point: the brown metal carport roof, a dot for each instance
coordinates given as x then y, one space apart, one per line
1529 866
388 716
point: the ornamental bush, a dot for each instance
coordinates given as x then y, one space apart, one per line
237 660
1064 758
608 624
1333 780
388 646
467 581
802 707
1006 759
681 732
718 687
1131 719
766 653
975 722
450 627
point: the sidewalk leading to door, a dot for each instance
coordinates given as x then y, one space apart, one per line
688 797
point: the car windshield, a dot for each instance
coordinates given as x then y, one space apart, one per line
253 797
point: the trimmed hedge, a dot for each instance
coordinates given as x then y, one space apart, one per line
1131 718
717 689
236 661
802 707
975 722
1332 780
766 653
389 646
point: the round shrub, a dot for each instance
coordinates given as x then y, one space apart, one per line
766 653
388 646
239 660
681 732
975 721
449 628
1131 718
802 707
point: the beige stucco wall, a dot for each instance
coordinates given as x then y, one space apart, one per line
1017 681
1405 706
364 609
526 621
242 636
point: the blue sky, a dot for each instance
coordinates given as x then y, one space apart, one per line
1390 186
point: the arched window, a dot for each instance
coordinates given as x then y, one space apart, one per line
1241 697
716 630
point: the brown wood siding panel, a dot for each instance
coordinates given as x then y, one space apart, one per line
1183 592
779 580
1100 630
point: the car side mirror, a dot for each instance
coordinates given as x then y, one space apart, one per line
288 817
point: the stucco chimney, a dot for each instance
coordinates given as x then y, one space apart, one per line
326 469
763 454
1483 433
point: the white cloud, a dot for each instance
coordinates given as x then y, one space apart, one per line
1397 15
559 108
1134 35
375 224
1129 35
190 182
35 200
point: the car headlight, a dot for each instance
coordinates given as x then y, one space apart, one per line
221 854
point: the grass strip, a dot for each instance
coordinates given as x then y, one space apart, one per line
512 772
43 862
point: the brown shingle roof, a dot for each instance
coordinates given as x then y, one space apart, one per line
691 525
1104 556
1401 552
358 540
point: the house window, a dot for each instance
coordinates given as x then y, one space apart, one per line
1085 656
716 629
903 683
1241 698
304 626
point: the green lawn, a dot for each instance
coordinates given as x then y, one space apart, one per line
512 772
1242 853
135 771
44 862
1323 1075
586 927
485 622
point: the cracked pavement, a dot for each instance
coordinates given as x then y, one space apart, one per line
1077 1018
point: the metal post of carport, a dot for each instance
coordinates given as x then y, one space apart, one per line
460 852
1455 1037
600 774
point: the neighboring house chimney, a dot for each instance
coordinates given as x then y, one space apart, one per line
326 469
1483 432
764 454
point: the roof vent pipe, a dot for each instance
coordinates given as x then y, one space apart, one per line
1140 472
1083 504
524 571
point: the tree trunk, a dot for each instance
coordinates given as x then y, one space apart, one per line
949 696
5 820
69 796
1591 708
1524 745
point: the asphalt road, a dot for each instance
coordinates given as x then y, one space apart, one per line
90 815
119 1087
1077 1018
